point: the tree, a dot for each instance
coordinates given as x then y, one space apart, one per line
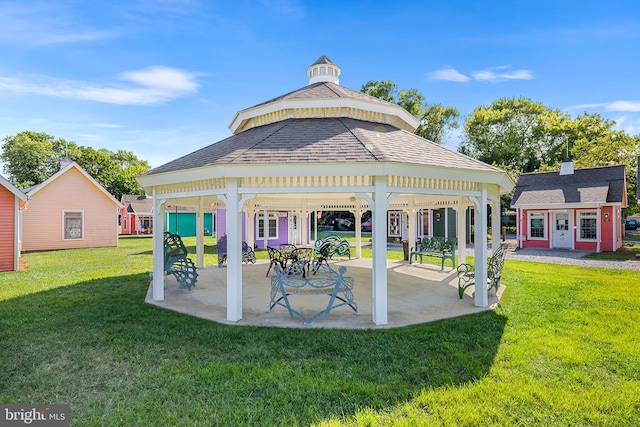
435 120
519 135
596 143
514 134
31 157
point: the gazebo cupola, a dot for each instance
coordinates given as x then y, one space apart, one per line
323 97
323 70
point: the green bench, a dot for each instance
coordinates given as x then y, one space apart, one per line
177 262
441 247
332 245
466 273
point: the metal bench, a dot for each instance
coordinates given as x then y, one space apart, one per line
441 247
177 262
290 281
466 273
332 245
248 255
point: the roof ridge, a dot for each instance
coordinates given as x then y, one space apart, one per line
281 124
342 121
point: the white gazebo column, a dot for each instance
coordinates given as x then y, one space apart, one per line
379 268
357 213
304 229
461 231
412 218
481 295
265 229
495 224
234 252
200 235
158 249
250 238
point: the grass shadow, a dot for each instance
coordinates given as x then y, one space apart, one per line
96 346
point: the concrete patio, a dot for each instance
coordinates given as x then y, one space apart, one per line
417 293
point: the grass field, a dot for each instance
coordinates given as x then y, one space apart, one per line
562 349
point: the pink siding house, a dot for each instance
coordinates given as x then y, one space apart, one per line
69 210
11 201
577 209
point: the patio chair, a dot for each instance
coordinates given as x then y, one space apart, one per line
275 258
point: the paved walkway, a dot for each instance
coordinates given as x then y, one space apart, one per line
555 256
558 256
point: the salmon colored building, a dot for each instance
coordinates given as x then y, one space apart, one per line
136 216
577 209
69 210
12 200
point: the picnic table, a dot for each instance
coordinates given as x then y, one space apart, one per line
287 253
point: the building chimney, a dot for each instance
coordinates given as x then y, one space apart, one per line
65 162
567 167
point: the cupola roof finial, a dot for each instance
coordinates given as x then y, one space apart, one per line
324 70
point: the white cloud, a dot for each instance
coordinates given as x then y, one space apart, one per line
632 106
448 74
501 73
495 74
152 85
613 106
43 24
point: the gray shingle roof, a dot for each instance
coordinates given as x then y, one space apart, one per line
587 185
323 140
137 204
323 60
326 90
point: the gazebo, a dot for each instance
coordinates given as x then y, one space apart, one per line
325 147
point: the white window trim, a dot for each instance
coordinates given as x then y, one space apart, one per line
64 224
579 226
270 216
394 219
545 215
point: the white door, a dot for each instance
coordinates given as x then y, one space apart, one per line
294 229
561 233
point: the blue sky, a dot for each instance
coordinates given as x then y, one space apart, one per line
163 78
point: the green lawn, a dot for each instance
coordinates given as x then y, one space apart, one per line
563 349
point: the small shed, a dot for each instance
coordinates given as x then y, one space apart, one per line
12 200
136 216
70 210
574 209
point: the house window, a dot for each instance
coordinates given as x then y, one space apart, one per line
395 221
537 225
73 225
272 226
125 220
588 223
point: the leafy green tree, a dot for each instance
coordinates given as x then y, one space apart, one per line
435 120
596 143
513 133
385 90
519 135
30 158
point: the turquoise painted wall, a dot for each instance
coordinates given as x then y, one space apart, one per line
184 223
